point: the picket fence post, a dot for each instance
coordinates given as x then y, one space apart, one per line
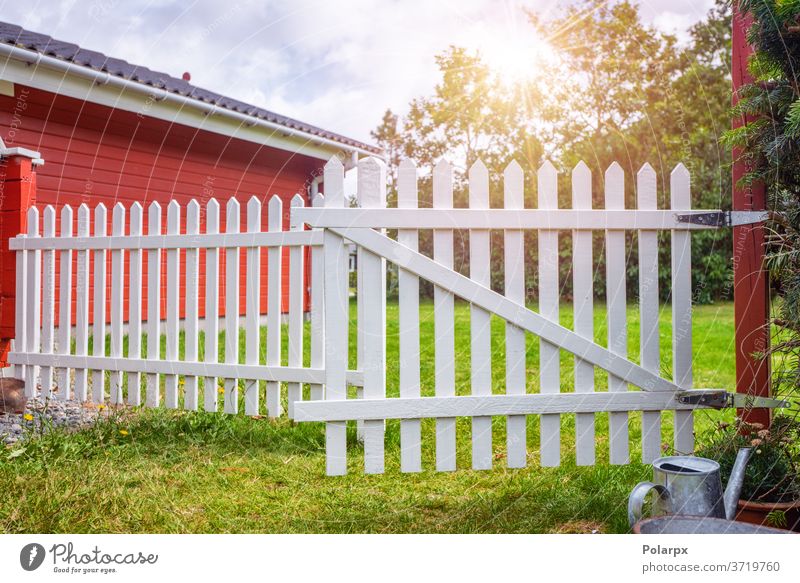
294 391
336 321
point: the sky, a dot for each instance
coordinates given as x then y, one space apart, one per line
335 64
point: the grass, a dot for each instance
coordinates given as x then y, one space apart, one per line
175 471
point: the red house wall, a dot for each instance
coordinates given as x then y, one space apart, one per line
98 154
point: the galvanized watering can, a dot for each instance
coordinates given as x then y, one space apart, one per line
690 486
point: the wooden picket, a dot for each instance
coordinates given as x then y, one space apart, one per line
583 316
135 306
649 352
408 297
192 299
99 299
34 290
65 305
48 299
372 194
117 287
253 308
274 297
82 276
42 352
549 354
514 260
616 309
172 293
480 319
212 307
336 284
232 283
153 303
444 321
681 199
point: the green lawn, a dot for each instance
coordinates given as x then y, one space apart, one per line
206 472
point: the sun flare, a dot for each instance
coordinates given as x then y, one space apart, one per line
517 56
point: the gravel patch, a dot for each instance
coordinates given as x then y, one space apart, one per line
42 415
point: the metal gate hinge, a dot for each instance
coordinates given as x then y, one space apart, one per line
724 400
723 218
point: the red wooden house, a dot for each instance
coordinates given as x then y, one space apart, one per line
109 131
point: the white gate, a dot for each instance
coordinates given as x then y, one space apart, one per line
654 392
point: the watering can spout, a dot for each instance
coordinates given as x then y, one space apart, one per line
734 487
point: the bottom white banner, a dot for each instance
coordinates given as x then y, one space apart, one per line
407 558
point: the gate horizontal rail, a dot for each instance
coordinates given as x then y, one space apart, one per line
488 405
205 241
557 219
256 372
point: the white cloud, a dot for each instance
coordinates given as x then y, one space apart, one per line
338 65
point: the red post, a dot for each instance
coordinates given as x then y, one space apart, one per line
751 286
17 195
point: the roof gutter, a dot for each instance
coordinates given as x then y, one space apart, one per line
102 78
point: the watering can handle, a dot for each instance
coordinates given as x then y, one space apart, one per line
637 497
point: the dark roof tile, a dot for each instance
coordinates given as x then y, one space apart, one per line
12 34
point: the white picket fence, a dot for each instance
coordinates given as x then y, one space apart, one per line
44 354
363 225
45 357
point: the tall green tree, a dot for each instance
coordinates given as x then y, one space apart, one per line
639 98
621 91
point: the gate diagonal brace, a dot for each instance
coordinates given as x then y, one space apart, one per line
510 311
